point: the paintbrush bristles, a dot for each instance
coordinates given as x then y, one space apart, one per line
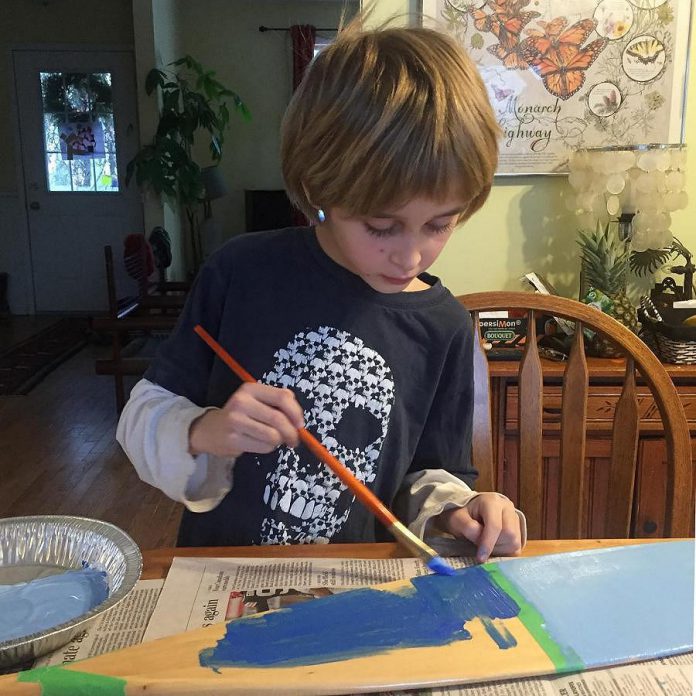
419 548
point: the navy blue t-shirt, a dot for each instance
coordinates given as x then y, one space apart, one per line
385 381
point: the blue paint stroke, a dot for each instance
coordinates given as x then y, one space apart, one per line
499 633
37 605
615 604
431 612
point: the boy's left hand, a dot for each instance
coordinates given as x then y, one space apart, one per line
489 521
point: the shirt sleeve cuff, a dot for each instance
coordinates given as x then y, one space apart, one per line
430 492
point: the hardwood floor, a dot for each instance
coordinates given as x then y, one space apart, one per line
59 455
15 329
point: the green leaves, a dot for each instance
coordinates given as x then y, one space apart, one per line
604 259
192 100
155 78
644 263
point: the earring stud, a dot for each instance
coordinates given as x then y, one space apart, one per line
321 215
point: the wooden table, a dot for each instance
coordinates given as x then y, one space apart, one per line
156 563
172 665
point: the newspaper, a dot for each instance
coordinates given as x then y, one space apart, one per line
203 591
121 626
200 592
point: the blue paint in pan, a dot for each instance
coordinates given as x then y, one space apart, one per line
431 612
631 601
37 605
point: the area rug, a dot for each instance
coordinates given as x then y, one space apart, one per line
25 364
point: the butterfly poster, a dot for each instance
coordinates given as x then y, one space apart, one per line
563 75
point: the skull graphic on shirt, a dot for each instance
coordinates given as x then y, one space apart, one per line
346 390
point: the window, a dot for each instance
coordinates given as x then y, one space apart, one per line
79 137
320 43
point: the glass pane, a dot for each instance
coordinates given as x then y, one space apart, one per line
107 126
77 92
53 92
79 134
105 173
57 172
101 98
82 174
51 132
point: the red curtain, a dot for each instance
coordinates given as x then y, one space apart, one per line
303 38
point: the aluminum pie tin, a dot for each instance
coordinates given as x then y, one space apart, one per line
37 546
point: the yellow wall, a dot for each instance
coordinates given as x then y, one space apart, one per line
524 226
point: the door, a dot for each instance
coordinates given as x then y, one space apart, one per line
78 130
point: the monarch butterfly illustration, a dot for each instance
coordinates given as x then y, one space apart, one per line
557 56
563 71
646 50
505 21
554 36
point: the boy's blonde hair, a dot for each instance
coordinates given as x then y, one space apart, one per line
387 115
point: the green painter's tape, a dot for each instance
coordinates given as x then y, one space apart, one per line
564 660
58 681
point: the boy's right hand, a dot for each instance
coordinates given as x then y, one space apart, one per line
256 418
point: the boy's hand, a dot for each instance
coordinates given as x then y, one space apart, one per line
256 418
489 521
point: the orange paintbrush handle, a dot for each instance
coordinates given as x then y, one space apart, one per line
223 354
362 492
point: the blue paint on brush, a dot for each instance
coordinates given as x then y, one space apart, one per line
440 566
37 605
432 611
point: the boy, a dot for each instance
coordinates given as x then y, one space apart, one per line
388 143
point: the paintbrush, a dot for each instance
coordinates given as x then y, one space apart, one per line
400 532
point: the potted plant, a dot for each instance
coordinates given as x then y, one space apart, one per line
192 100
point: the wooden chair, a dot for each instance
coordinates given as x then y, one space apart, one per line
136 306
572 503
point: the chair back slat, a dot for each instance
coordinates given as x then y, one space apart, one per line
536 482
573 429
482 434
624 453
530 409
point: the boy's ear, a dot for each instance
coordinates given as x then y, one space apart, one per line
308 197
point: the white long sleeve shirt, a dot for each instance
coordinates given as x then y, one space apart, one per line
154 432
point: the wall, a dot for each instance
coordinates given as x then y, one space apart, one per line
157 43
258 66
25 22
523 227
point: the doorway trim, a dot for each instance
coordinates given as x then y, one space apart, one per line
22 213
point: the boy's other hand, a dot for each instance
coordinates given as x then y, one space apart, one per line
256 418
489 520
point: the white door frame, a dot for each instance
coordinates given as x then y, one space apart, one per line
23 212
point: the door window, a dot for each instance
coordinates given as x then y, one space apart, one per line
79 138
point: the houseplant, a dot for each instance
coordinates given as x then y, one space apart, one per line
193 104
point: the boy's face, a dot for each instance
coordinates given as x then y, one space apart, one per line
390 249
